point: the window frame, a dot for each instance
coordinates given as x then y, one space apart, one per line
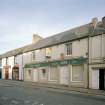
68 49
49 77
72 72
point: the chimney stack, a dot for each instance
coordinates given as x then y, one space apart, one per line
36 38
103 22
94 22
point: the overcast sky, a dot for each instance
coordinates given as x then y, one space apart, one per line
19 19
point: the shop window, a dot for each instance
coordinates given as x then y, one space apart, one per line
43 73
69 49
53 73
77 73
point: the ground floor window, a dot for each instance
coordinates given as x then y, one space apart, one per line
43 73
77 73
53 73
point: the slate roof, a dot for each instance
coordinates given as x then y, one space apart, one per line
69 35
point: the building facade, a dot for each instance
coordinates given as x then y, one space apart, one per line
74 58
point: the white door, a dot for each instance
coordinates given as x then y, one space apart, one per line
35 75
95 79
64 75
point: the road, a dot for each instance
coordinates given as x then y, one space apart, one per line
18 93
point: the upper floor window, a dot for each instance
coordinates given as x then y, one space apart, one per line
7 61
33 55
48 52
69 49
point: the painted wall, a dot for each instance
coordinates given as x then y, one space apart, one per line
11 63
97 48
40 55
80 48
27 57
3 64
57 51
19 61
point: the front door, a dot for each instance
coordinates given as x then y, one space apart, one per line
102 79
64 75
95 79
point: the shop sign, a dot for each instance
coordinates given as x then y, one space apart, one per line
56 63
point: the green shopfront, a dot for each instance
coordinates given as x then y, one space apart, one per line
66 72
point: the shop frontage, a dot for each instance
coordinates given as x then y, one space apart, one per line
65 72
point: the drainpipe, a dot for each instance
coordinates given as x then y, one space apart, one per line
22 75
88 63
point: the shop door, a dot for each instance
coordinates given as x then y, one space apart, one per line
64 75
102 79
34 75
6 73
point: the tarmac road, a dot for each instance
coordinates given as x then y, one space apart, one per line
22 94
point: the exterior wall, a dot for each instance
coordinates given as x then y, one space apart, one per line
3 64
57 51
27 57
11 64
19 61
96 59
40 55
97 48
80 48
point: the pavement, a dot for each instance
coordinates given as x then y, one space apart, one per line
62 88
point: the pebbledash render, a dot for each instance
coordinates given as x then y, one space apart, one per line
74 58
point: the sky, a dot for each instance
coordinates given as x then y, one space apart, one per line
20 19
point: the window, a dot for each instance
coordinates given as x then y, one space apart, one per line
77 73
33 55
43 73
48 52
7 61
68 48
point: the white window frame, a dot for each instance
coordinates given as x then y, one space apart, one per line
72 71
70 43
33 55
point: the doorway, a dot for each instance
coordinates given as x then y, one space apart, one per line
102 79
0 73
6 73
